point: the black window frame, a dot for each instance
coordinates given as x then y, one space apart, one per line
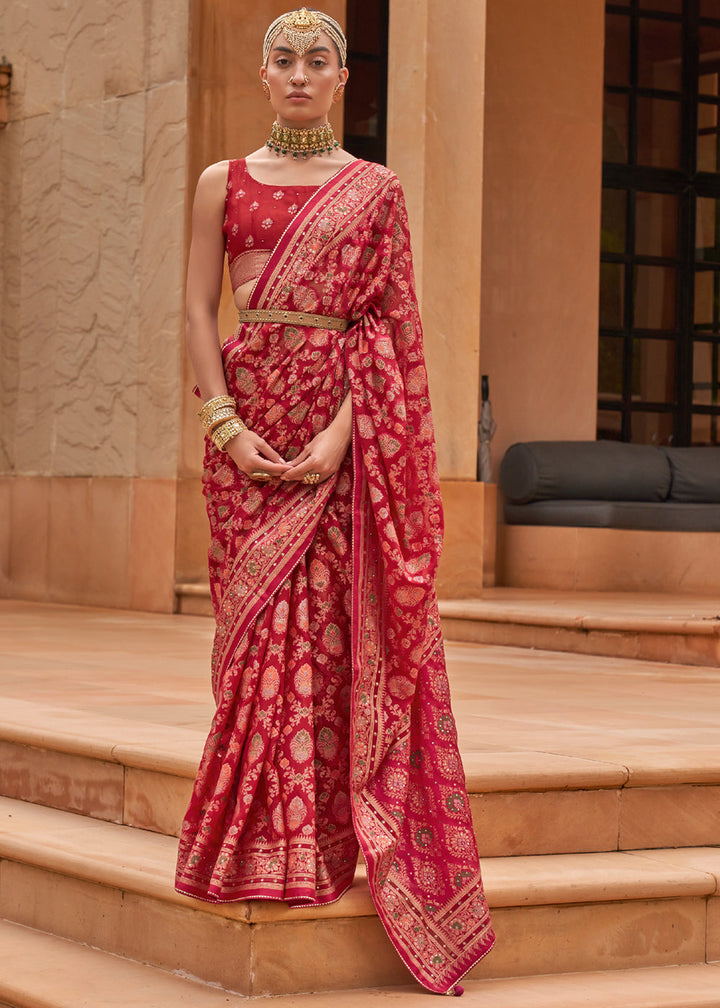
688 185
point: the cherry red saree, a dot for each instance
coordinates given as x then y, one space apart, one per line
333 723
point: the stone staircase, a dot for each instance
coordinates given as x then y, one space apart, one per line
601 869
668 628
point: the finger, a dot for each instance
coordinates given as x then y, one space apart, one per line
271 469
265 451
298 472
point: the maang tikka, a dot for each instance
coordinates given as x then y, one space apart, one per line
302 30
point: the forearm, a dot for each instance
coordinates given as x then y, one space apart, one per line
202 337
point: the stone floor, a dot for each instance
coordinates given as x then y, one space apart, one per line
528 721
155 669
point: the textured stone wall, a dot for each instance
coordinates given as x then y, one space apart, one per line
92 223
92 204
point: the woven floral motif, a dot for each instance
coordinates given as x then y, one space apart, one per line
333 724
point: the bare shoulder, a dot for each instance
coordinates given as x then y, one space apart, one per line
210 191
214 175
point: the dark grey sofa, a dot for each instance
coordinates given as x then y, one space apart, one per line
610 484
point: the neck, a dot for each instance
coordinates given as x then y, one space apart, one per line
292 124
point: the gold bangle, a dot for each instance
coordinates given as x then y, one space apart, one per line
208 408
227 431
219 417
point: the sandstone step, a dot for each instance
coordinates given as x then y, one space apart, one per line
668 628
654 627
110 886
192 598
38 970
140 774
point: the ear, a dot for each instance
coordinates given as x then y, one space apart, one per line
343 75
263 73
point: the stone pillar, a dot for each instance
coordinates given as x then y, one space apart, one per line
541 223
435 144
93 195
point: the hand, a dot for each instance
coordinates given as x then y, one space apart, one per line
253 455
323 455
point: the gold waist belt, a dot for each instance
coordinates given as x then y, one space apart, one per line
299 318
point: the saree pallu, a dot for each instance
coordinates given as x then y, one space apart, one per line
333 725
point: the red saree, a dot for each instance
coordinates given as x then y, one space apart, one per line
333 723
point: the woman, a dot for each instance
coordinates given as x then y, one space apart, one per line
333 727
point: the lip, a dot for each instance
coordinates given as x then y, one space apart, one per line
299 94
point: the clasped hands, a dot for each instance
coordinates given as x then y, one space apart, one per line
318 460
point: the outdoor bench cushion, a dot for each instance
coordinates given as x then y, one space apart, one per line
584 470
649 515
695 474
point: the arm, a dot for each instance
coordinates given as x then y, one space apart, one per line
204 286
204 282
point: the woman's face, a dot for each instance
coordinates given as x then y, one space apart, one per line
302 87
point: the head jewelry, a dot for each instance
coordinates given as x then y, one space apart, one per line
302 30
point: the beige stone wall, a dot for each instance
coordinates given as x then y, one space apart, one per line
92 215
541 217
435 144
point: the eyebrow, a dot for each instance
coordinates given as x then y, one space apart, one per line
315 49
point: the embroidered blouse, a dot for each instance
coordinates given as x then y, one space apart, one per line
256 215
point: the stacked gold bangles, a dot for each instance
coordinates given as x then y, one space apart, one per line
222 422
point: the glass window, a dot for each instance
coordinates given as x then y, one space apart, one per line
653 370
365 105
707 230
706 373
660 54
671 6
612 295
617 49
705 315
659 340
708 144
658 132
609 425
709 59
709 9
361 106
704 429
613 225
610 367
652 428
615 128
654 305
656 224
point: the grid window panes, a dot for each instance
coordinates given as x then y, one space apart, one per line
658 377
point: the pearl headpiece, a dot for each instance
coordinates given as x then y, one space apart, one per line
302 30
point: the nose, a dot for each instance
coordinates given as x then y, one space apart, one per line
298 74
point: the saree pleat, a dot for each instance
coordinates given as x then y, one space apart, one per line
334 725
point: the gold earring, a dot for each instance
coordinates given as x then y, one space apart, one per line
338 93
266 89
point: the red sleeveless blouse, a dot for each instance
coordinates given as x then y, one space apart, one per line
256 215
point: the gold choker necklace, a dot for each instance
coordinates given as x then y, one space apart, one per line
302 141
